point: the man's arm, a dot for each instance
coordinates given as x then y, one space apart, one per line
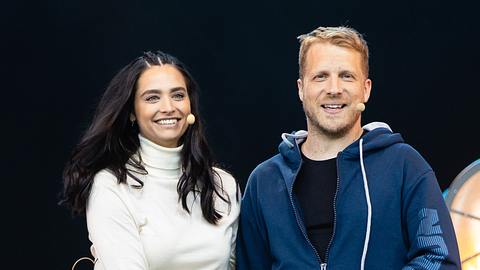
433 244
252 243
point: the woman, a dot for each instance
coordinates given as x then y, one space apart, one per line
144 176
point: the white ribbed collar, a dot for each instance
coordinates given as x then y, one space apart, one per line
156 156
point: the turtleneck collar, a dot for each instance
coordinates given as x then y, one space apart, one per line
159 157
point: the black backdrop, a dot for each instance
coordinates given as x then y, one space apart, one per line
58 56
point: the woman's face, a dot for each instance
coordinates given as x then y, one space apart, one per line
162 105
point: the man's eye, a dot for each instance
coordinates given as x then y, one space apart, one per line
347 76
320 77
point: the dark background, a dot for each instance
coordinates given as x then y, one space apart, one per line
58 56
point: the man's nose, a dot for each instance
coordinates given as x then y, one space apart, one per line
334 87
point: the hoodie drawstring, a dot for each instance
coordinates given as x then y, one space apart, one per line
369 207
301 134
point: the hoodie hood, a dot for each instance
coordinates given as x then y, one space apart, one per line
379 136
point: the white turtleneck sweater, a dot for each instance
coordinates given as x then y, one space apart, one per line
147 228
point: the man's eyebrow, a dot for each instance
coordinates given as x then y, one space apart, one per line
320 72
346 71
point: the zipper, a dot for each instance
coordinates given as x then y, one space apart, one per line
323 266
334 209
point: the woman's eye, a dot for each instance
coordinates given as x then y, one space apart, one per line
178 96
152 98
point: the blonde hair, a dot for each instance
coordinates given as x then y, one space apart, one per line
341 36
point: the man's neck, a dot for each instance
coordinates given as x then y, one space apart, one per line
319 146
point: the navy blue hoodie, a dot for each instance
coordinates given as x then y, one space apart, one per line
388 211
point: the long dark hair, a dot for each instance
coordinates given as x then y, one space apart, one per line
111 142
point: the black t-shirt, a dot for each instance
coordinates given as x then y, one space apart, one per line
315 188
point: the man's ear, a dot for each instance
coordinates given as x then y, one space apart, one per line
300 89
367 90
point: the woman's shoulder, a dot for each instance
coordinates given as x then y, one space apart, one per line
227 181
107 180
104 177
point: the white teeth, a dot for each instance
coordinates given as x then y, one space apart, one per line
167 121
332 106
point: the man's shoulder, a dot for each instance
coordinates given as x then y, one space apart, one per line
273 163
407 151
268 171
409 158
266 177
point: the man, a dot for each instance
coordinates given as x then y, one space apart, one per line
342 196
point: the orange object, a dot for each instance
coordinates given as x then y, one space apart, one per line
463 200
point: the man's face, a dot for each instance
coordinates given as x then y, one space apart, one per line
333 84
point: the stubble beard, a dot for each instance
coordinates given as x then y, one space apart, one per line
331 132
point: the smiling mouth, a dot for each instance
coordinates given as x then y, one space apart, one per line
333 106
167 121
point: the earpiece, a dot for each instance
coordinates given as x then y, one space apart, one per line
360 107
191 119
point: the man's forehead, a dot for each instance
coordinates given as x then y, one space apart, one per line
332 56
329 48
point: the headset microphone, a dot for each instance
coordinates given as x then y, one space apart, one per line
360 107
191 119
